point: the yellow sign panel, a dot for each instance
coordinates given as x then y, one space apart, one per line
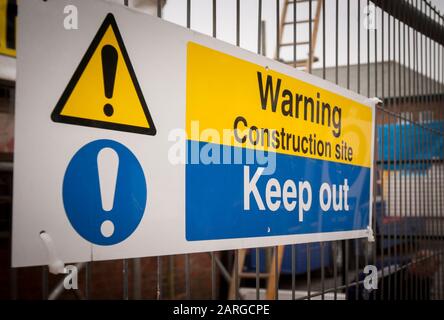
268 110
8 15
104 91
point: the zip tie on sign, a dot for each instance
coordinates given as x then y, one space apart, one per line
376 100
370 236
55 265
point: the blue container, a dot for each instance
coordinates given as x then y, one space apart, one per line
301 258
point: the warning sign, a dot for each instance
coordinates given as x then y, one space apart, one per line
8 16
249 152
104 92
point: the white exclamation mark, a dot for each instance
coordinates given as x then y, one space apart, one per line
108 166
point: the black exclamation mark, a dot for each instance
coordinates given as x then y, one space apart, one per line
109 67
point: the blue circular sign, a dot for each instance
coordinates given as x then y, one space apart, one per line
104 192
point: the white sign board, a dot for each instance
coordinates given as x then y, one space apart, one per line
137 137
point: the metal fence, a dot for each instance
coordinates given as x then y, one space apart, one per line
397 53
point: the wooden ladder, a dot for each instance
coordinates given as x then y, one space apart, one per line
285 24
270 276
307 63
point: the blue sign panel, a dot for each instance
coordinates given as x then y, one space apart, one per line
301 196
82 196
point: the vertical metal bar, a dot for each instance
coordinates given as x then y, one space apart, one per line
310 63
389 156
310 38
259 46
45 289
441 97
238 23
425 95
415 208
432 181
383 51
188 14
438 171
374 159
336 243
187 258
259 26
214 18
414 205
187 277
430 165
308 271
213 259
383 211
395 167
402 208
294 35
368 55
399 172
414 157
236 273
424 87
348 44
171 278
396 160
236 252
88 280
409 292
427 149
125 262
159 8
356 246
137 279
323 39
13 282
293 272
376 58
159 278
125 279
346 260
430 188
345 266
421 152
436 200
337 42
335 269
373 222
277 29
423 164
277 272
213 276
258 265
321 244
381 151
404 157
416 148
441 118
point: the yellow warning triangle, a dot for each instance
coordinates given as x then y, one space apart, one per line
104 92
